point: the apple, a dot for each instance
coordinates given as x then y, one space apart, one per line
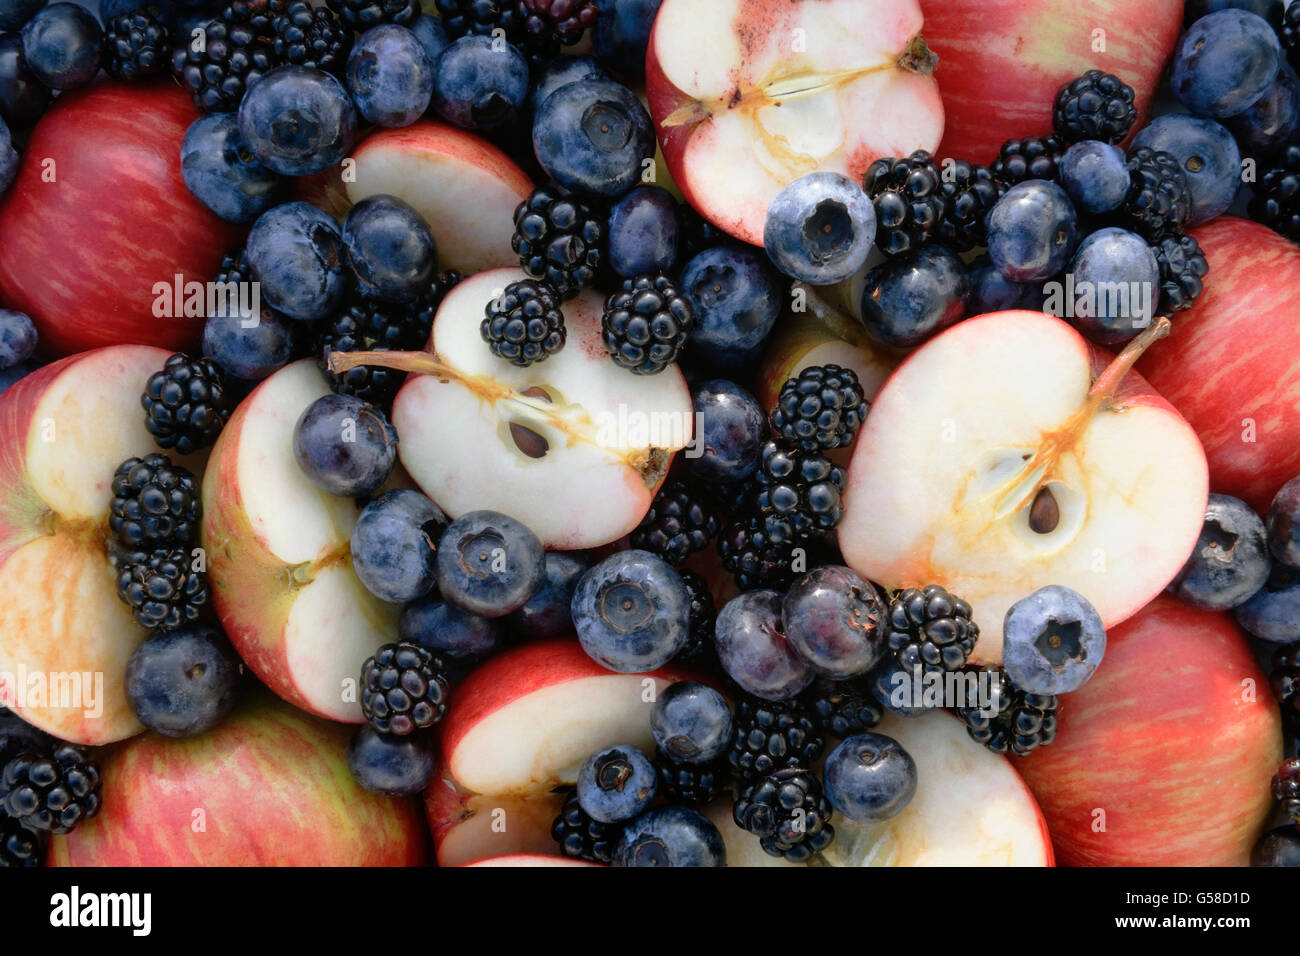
1164 758
268 786
99 214
1007 454
750 95
574 446
279 562
1223 367
1001 62
527 860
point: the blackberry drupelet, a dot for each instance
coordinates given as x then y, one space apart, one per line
681 783
930 629
1182 267
238 51
1034 157
52 790
137 45
908 199
969 196
310 36
161 587
155 504
524 325
820 409
404 688
1096 105
20 846
645 324
186 403
370 325
842 708
678 524
755 560
582 838
700 650
788 812
799 493
1024 722
1276 202
570 19
533 35
361 15
772 736
1158 201
1286 788
1285 679
558 240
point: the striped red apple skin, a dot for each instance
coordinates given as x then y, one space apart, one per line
81 254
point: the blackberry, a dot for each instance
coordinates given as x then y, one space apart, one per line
361 15
161 587
1158 201
799 493
51 790
909 203
820 409
155 504
969 196
1286 788
695 234
700 651
403 689
1276 202
1285 679
1288 31
186 403
16 736
930 629
1182 267
1096 105
842 708
558 239
19 845
524 324
771 736
788 812
645 323
582 838
1034 157
733 500
310 36
238 50
370 325
136 45
753 558
682 783
570 19
1024 722
534 35
677 525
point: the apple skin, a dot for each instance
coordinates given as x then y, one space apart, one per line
1223 362
1133 742
81 255
274 788
1001 62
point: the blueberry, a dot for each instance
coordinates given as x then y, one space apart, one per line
1224 63
298 120
642 234
1208 154
631 612
246 350
915 296
14 13
1283 524
593 137
1052 641
1230 560
730 430
1273 613
1272 119
489 564
394 545
1278 847
221 173
1095 175
23 97
869 777
616 784
622 33
1116 284
895 689
1033 231
479 83
62 45
1268 9
391 765
736 298
389 248
432 36
691 722
546 613
832 617
183 682
671 836
13 374
447 630
344 445
390 76
9 159
562 71
754 650
17 338
820 228
989 292
296 252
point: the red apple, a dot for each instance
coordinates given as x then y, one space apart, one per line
528 859
1001 62
1164 758
1225 368
99 214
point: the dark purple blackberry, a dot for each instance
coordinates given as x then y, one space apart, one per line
137 45
186 403
370 325
16 736
558 240
970 192
751 556
1286 789
155 504
700 651
310 36
403 689
678 524
570 19
1285 679
820 409
645 324
789 814
1276 202
582 838
1182 267
524 324
842 708
534 35
930 629
909 202
162 588
732 500
1034 157
1096 105
771 736
51 790
1158 201
239 49
361 15
799 493
19 845
1023 723
681 783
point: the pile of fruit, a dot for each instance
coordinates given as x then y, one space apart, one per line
649 432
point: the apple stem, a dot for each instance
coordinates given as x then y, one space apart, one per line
1107 383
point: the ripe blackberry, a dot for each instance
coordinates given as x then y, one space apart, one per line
238 50
733 500
842 708
1034 157
51 790
162 588
582 838
1286 788
524 324
1285 679
403 689
186 403
1182 267
16 736
155 504
820 409
558 239
771 736
534 35
570 19
909 203
753 558
370 325
799 493
19 845
1158 201
677 525
930 629
1096 105
682 783
645 324
700 651
361 15
310 36
788 812
970 192
136 44
1024 722
1276 202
